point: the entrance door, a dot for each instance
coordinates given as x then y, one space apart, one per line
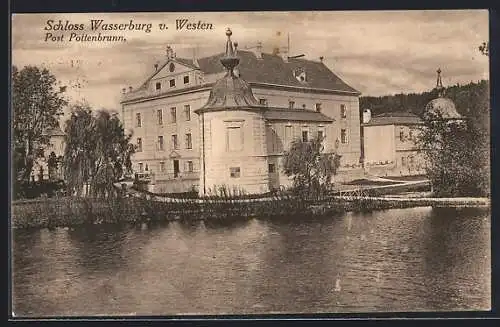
176 168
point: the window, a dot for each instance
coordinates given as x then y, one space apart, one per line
343 111
187 112
189 144
162 166
173 115
403 161
305 136
189 166
263 102
401 135
343 136
186 79
320 135
171 67
160 143
411 134
291 104
272 168
141 167
139 144
138 120
234 139
158 86
288 133
234 172
175 144
159 115
147 168
318 107
172 82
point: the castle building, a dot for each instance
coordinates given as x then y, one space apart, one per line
390 146
180 119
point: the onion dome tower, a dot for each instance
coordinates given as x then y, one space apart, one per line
441 108
233 139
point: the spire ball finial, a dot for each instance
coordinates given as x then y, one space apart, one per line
229 32
439 71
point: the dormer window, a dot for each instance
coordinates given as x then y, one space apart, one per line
291 104
300 74
186 79
263 102
158 86
318 107
171 68
172 82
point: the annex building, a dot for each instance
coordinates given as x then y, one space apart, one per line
390 140
228 118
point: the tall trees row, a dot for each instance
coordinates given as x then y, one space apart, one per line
97 151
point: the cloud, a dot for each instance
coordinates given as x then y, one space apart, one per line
376 52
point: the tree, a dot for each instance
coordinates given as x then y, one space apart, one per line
52 163
97 152
37 105
455 160
310 167
485 48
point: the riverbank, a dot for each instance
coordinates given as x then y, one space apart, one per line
74 211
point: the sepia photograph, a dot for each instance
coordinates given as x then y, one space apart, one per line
249 163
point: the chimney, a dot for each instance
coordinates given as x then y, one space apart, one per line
169 52
321 59
284 55
130 88
258 52
156 66
195 58
124 90
367 116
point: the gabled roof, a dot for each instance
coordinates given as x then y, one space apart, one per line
271 69
296 115
394 118
182 61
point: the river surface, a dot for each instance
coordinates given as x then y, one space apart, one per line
418 259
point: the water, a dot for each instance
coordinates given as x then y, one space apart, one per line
419 259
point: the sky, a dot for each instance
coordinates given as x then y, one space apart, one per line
376 52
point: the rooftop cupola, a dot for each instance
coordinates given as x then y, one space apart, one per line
231 91
441 107
230 60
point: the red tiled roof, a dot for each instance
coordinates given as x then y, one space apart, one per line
271 69
394 118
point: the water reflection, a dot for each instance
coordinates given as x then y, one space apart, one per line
395 260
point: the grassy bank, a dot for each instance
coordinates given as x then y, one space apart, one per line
73 211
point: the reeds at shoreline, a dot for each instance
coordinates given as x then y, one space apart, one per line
75 211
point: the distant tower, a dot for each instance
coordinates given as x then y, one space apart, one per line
441 108
439 84
233 144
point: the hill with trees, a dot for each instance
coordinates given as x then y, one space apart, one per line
466 97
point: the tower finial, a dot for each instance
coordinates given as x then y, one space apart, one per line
439 83
229 60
